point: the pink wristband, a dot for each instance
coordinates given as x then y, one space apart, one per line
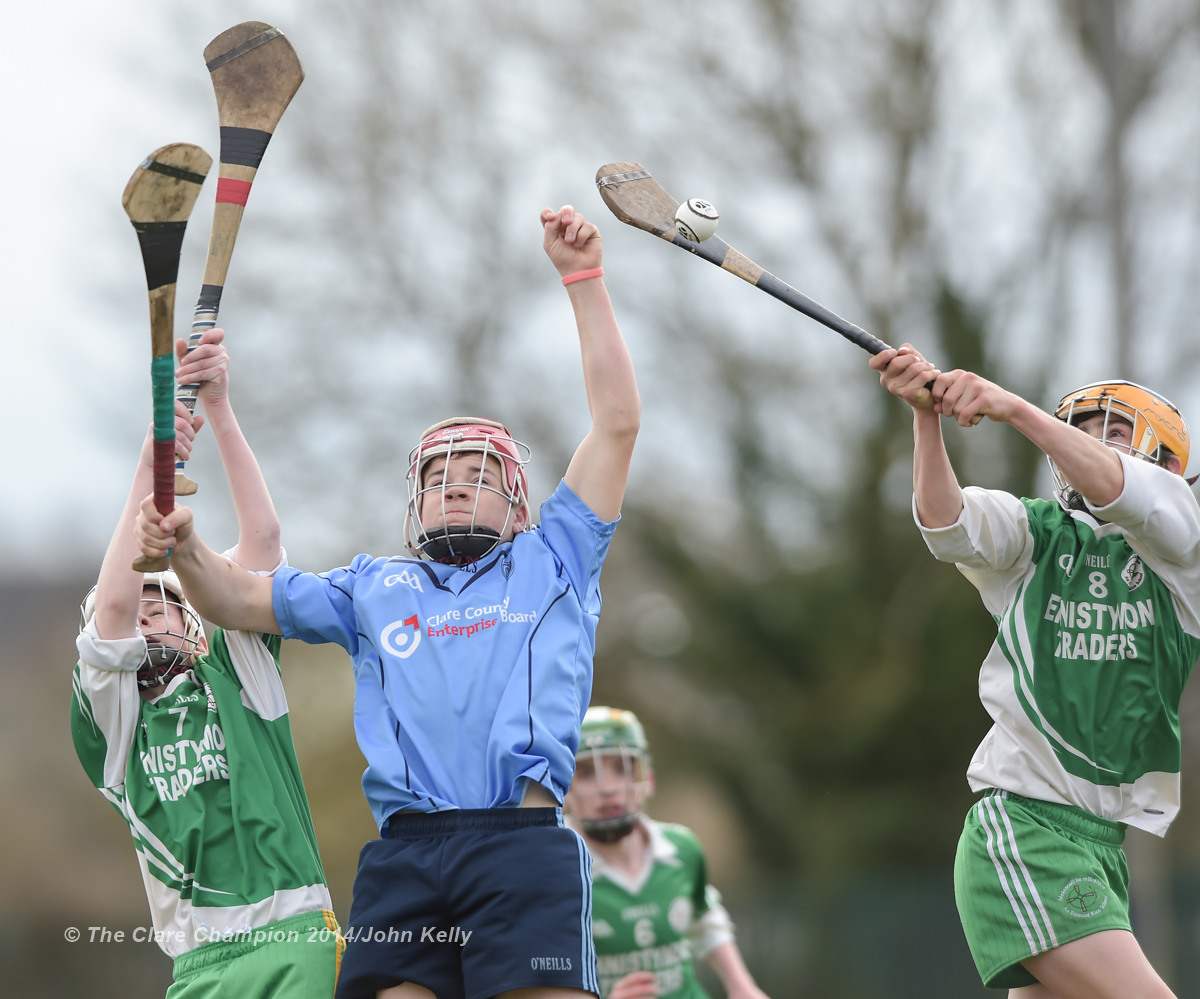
583 275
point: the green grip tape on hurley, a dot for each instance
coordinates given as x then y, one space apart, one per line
162 387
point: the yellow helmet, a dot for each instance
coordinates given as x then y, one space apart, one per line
1157 424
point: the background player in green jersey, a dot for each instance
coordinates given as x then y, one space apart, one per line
1096 596
653 909
191 743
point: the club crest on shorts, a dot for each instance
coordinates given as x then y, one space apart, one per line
1084 897
1134 572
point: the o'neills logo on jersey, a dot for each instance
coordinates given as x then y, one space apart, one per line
550 963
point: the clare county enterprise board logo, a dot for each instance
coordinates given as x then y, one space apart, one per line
397 640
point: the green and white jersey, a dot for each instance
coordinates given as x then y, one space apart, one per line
1098 632
660 919
207 779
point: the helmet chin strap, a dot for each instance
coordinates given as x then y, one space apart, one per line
1075 501
161 663
459 544
610 830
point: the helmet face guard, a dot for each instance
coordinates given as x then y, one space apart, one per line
163 660
614 735
458 544
1157 426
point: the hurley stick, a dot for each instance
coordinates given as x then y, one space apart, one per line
639 200
158 200
255 73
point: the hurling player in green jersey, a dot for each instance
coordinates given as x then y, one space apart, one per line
1096 596
653 909
188 738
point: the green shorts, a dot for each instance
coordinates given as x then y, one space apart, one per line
1031 875
295 957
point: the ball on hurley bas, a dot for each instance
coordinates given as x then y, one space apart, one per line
696 219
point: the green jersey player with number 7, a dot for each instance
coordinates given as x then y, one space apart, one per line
190 742
1097 602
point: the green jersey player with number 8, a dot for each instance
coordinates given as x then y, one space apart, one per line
1096 596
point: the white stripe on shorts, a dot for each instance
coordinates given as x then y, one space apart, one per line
1000 839
591 978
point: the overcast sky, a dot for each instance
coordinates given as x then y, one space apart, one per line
76 124
91 89
104 88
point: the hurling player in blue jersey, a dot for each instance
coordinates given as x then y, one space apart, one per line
473 667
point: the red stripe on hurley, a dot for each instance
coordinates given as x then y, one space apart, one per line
232 192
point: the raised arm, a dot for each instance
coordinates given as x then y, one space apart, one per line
905 373
1088 464
599 469
222 592
119 586
258 546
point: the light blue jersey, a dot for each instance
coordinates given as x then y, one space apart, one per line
468 679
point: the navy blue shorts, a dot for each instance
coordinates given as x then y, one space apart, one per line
471 903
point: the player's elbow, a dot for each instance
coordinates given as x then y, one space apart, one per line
621 438
269 540
624 420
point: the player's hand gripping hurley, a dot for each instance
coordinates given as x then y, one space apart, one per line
255 73
158 200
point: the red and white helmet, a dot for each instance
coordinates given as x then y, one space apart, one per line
451 438
163 661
